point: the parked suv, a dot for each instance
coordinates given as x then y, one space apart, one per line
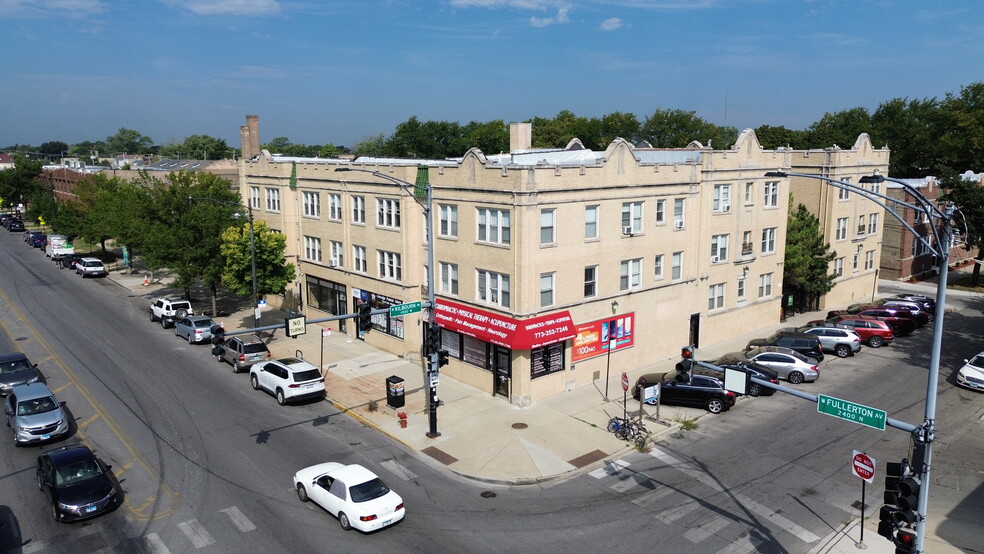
927 303
921 316
90 267
901 320
842 342
701 392
242 352
874 332
34 414
806 344
169 310
288 379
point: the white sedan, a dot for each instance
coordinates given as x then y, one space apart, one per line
971 375
352 493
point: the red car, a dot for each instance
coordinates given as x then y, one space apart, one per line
900 320
874 332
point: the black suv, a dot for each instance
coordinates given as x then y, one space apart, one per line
804 343
77 483
702 392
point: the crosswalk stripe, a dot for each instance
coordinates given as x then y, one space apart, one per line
239 519
787 525
653 497
630 482
156 544
611 468
706 529
399 470
744 545
197 534
670 515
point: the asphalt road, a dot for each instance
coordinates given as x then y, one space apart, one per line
206 462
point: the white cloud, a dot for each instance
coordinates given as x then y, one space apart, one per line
45 8
611 24
545 21
227 7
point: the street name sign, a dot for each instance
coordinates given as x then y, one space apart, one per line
863 466
851 411
404 309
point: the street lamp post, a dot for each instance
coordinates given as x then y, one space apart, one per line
433 364
923 435
252 247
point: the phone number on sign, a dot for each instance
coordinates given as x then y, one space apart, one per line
550 332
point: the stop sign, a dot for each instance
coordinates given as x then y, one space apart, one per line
625 382
863 466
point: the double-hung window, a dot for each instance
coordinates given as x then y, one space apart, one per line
493 288
449 278
388 213
658 271
335 207
449 220
389 265
493 226
771 196
548 219
715 296
765 285
632 216
676 267
872 224
272 200
590 222
630 274
841 228
678 204
769 240
358 209
254 197
312 204
591 281
337 254
721 200
312 249
660 212
547 284
359 259
719 248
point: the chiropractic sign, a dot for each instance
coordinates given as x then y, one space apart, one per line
517 334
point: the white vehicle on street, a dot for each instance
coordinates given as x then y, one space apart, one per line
352 493
971 375
288 379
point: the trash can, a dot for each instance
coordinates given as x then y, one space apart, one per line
395 391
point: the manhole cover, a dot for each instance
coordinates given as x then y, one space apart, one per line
519 426
488 494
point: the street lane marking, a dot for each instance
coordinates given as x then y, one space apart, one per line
88 421
197 534
687 469
156 544
399 470
672 514
630 482
239 519
610 468
706 529
744 545
654 497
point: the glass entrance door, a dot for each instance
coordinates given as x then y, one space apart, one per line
501 371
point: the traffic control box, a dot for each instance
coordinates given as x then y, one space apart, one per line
395 391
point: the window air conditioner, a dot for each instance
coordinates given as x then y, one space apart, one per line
678 225
725 207
333 262
715 259
627 230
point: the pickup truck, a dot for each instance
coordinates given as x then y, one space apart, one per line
169 310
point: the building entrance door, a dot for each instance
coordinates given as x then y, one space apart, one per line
502 371
695 330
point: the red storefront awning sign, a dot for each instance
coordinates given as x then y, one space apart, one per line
505 331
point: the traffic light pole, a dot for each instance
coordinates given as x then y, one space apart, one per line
923 435
433 357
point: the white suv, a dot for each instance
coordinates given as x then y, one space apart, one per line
169 310
288 379
840 341
90 267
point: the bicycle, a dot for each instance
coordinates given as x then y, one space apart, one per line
615 423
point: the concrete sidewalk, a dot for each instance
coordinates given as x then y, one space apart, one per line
485 438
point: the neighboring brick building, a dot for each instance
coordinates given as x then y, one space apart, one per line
903 256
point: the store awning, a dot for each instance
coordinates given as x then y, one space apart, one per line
517 334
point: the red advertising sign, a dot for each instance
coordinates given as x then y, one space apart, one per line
598 337
517 334
863 466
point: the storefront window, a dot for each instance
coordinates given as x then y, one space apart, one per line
476 352
547 360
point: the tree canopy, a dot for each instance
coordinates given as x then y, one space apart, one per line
808 257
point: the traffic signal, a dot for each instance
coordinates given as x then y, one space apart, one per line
905 542
442 358
908 499
887 521
686 366
218 334
365 317
433 339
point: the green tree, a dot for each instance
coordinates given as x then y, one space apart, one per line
775 137
678 128
619 125
273 273
20 182
197 147
53 149
841 129
491 137
128 141
86 149
807 258
371 146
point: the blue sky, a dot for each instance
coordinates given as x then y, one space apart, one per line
340 71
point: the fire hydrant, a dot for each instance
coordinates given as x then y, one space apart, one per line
402 416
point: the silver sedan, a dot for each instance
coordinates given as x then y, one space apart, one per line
195 329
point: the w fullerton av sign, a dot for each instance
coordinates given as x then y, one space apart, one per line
851 411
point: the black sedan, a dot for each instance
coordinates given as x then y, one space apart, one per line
15 225
78 484
701 392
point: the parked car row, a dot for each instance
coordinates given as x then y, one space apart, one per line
77 484
86 266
